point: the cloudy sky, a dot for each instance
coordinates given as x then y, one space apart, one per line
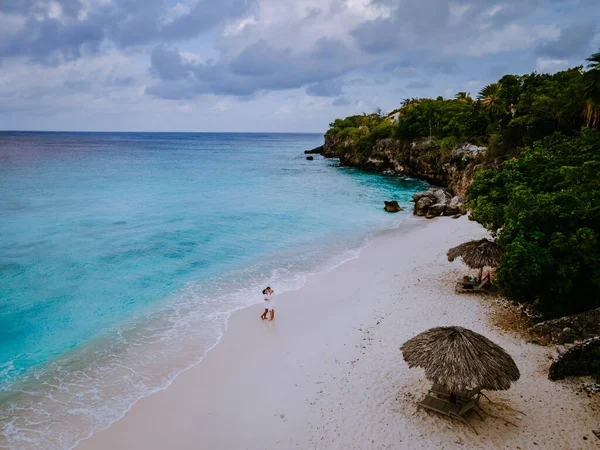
266 65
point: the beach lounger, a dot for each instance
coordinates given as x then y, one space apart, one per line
447 408
461 397
472 286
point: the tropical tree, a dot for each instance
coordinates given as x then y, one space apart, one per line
492 101
592 91
464 97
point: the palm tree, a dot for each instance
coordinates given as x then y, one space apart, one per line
464 97
492 101
592 91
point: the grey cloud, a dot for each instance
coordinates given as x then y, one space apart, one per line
205 15
414 25
70 8
312 12
496 71
419 84
259 59
327 88
122 22
119 81
376 36
415 64
167 64
442 65
341 101
51 42
328 48
574 40
258 67
77 85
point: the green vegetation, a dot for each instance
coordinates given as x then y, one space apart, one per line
512 113
542 198
546 204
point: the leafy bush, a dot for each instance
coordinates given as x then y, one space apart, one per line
545 208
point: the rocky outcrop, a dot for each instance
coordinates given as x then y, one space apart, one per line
438 202
420 159
569 329
310 158
580 360
314 151
392 206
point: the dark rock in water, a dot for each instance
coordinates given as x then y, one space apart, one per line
566 330
314 151
579 360
309 158
437 202
392 206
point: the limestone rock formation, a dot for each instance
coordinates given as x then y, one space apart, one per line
422 159
437 202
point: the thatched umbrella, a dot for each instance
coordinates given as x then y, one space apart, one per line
459 359
477 254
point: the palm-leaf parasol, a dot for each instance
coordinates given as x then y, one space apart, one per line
477 254
459 359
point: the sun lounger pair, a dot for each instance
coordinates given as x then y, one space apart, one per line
454 405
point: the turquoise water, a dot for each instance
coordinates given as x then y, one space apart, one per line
122 255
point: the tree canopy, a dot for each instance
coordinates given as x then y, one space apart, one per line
545 208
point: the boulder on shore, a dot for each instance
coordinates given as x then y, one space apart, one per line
392 206
579 360
566 330
437 202
310 158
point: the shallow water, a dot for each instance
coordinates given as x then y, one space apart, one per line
123 254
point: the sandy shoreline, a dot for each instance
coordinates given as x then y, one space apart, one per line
327 373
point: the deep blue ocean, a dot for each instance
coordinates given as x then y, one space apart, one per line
123 254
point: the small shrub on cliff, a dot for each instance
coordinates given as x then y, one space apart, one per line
545 208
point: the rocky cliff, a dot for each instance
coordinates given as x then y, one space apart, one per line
569 329
420 159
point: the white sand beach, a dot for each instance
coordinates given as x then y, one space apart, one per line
327 373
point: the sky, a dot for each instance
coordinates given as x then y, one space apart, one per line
266 65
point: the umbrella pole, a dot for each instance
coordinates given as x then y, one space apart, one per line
452 397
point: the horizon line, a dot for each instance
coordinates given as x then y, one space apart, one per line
163 132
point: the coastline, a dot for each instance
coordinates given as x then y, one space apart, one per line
327 373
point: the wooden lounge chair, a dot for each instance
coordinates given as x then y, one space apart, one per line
461 397
473 286
447 408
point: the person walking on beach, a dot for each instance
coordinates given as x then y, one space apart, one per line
267 292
